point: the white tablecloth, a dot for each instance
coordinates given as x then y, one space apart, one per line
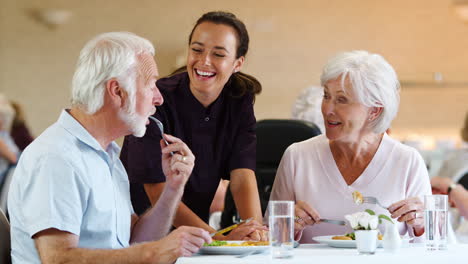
315 253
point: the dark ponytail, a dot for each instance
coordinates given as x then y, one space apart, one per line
243 83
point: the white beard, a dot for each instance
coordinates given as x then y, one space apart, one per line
136 123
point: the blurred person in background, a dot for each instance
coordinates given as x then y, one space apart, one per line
456 163
8 149
361 99
19 130
457 194
454 170
308 106
217 205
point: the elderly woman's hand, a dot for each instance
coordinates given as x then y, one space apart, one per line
409 211
304 215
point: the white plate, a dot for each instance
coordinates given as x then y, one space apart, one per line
339 243
228 250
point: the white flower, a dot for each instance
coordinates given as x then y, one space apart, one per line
373 222
362 220
353 221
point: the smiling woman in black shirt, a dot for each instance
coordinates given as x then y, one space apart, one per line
209 105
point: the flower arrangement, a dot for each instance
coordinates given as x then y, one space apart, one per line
366 220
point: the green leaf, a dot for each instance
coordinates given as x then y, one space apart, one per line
369 211
351 235
215 243
384 217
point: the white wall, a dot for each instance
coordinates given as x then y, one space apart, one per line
290 42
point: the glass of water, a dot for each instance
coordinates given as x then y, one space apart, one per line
281 224
436 221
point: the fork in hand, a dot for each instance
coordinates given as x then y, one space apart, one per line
161 128
373 200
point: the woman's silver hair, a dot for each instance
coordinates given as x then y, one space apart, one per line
107 56
7 113
373 80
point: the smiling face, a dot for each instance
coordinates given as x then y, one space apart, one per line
212 59
346 119
147 95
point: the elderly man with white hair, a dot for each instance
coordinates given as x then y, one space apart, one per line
361 98
69 200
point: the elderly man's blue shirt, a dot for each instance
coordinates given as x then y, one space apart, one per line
66 180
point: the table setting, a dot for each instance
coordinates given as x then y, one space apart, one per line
364 245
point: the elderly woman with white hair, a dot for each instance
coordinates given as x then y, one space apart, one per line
8 150
361 98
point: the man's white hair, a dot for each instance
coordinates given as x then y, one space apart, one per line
372 79
107 56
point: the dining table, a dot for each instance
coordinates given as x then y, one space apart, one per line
321 253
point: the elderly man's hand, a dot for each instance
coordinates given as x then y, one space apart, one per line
410 211
182 242
178 167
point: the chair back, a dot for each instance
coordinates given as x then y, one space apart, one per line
274 136
5 247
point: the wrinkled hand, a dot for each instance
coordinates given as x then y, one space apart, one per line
182 242
252 230
304 215
410 211
177 168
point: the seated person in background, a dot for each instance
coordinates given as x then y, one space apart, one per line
361 98
209 105
458 195
8 149
69 199
456 163
217 205
307 106
19 131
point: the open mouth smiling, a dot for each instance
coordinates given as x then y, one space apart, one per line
205 74
333 123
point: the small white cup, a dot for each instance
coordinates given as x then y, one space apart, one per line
366 241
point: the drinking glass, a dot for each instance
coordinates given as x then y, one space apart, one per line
281 223
436 221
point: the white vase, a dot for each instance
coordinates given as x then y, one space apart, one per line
391 240
366 241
